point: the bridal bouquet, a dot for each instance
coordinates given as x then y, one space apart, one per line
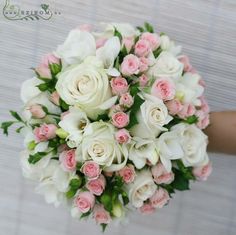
113 121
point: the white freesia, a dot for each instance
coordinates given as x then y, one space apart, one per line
87 86
99 144
74 124
77 46
141 150
166 65
194 144
169 45
169 148
188 89
142 188
153 115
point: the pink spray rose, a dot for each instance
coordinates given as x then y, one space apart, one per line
96 186
204 105
54 98
163 88
67 159
114 109
120 119
119 85
100 42
203 172
203 119
160 198
128 42
142 48
174 106
45 132
123 136
143 80
143 64
85 201
100 215
147 209
130 65
127 173
43 71
50 59
153 39
160 175
185 60
126 100
37 111
187 111
91 169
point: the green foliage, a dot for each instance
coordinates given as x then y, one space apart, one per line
34 158
192 119
118 34
148 27
16 115
5 126
103 117
103 227
84 215
75 184
64 106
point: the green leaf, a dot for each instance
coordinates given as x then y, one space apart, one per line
84 215
55 68
18 130
106 201
103 117
192 119
180 182
5 126
103 227
42 87
36 157
70 194
148 27
134 89
162 33
141 29
64 106
16 115
75 183
125 197
118 34
157 52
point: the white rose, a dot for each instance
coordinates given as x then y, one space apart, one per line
194 144
74 124
169 148
169 45
77 46
99 144
188 89
142 188
141 150
166 65
87 86
153 115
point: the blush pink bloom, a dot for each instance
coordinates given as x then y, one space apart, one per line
85 201
160 198
100 42
45 132
143 80
100 215
143 64
202 173
50 59
126 100
119 85
160 175
187 111
127 173
130 65
67 159
115 108
96 186
43 71
120 119
122 136
163 88
174 106
203 119
37 111
185 61
147 209
128 42
142 48
54 98
153 39
202 83
204 105
91 169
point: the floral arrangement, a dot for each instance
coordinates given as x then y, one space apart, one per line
112 121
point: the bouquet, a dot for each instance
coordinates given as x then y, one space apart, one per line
113 122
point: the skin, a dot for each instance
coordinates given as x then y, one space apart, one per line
222 132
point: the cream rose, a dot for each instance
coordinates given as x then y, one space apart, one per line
87 86
100 145
153 115
169 45
166 65
141 189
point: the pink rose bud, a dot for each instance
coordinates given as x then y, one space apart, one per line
120 119
163 88
204 105
91 169
119 85
153 39
203 172
185 60
126 100
45 132
147 209
85 201
143 80
37 111
85 27
203 119
143 64
128 42
50 59
160 198
160 175
142 48
100 42
130 65
174 106
187 111
127 173
96 186
115 108
43 71
54 98
100 215
123 136
67 159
